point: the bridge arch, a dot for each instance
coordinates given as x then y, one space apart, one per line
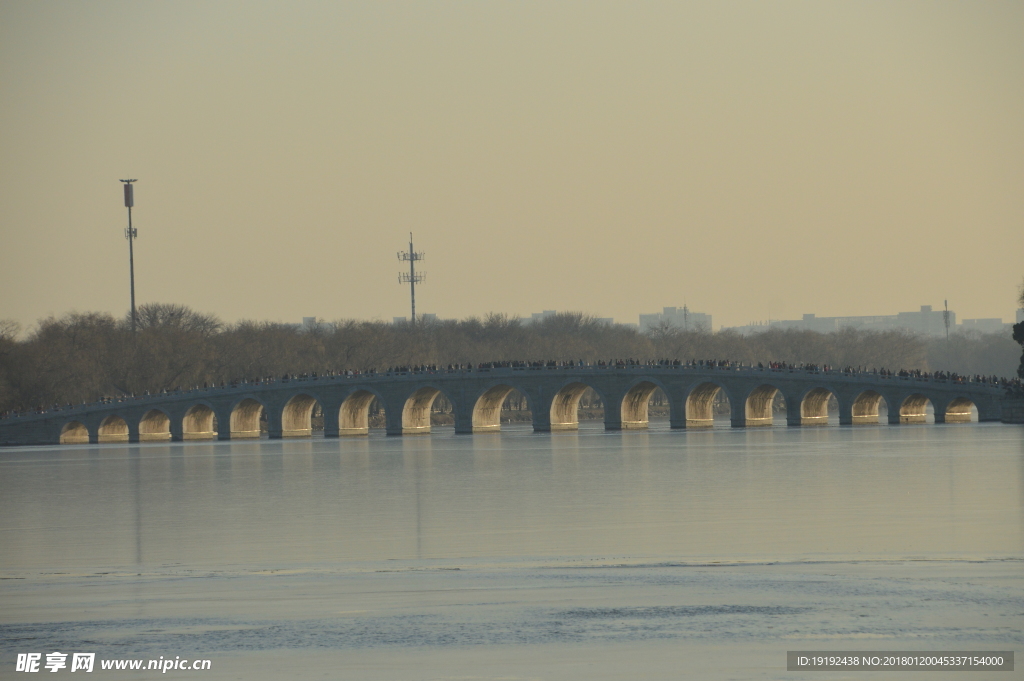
297 415
814 406
74 433
487 408
960 410
199 423
700 404
865 408
155 424
246 415
634 410
565 404
914 409
112 429
354 413
758 406
417 409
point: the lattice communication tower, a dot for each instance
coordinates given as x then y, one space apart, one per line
412 277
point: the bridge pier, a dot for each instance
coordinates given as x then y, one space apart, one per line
622 411
463 406
894 417
676 408
738 413
795 416
177 428
275 425
992 409
541 422
462 415
331 409
540 407
394 408
223 420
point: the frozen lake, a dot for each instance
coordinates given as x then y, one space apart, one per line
651 554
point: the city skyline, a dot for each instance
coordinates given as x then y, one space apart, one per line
854 158
926 321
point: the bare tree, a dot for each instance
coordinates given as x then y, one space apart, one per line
82 356
9 330
1018 332
173 347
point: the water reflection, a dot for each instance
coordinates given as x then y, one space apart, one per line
720 493
135 457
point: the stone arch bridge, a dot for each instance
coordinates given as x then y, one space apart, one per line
476 396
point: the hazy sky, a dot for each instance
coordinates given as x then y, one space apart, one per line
749 159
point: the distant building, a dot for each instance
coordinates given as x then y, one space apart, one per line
1020 315
679 318
925 321
420 318
810 322
748 329
539 316
991 325
308 324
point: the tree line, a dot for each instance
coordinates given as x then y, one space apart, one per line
82 356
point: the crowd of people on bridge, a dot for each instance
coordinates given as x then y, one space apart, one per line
1014 387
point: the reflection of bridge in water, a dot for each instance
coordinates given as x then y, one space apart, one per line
286 407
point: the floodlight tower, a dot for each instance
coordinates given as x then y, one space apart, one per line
130 233
411 278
